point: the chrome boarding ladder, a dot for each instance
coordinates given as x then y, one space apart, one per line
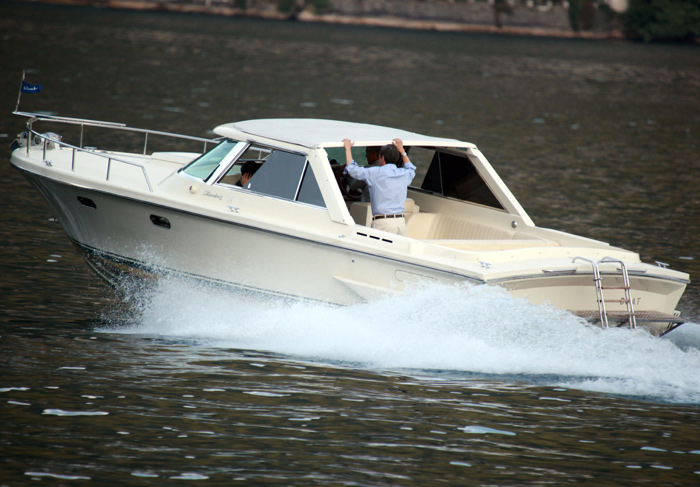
599 289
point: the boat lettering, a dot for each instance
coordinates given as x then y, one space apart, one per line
213 195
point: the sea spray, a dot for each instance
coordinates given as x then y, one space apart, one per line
436 328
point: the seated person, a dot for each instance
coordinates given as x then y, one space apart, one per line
247 170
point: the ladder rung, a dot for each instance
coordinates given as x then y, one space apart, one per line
616 287
621 301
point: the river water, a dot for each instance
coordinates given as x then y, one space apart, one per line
453 387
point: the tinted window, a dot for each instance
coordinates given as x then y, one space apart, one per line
310 192
456 177
286 175
279 175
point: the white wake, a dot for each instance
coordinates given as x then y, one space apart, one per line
479 330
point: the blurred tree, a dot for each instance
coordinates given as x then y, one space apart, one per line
574 9
295 7
582 14
501 7
587 14
663 20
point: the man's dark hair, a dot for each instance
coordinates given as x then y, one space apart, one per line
391 155
249 167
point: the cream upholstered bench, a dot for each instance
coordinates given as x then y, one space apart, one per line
494 245
463 234
435 226
451 231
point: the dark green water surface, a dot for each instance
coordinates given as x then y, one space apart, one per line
184 385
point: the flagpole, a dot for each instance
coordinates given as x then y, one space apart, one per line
19 95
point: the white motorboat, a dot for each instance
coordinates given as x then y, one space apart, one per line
295 231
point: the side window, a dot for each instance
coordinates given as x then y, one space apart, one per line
250 161
277 173
309 191
456 177
204 165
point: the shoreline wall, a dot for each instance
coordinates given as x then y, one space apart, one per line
516 17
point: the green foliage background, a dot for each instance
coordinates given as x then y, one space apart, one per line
663 20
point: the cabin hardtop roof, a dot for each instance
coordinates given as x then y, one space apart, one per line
315 133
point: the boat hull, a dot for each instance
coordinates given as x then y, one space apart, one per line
121 236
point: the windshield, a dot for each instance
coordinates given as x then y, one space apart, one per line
204 165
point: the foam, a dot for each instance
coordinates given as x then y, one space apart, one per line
478 329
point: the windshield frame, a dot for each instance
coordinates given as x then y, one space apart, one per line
233 152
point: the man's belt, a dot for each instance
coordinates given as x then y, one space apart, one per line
397 215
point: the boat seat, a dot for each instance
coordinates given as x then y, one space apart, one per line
231 179
361 212
494 245
435 226
410 208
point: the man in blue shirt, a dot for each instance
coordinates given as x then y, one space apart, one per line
387 182
355 186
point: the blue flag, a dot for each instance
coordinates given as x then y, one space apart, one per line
28 88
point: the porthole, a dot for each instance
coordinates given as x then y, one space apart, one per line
160 221
87 202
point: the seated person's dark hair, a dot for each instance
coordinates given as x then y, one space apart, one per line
391 155
249 167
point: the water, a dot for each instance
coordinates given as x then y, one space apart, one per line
463 387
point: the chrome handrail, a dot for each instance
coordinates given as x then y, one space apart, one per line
83 122
93 152
36 117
